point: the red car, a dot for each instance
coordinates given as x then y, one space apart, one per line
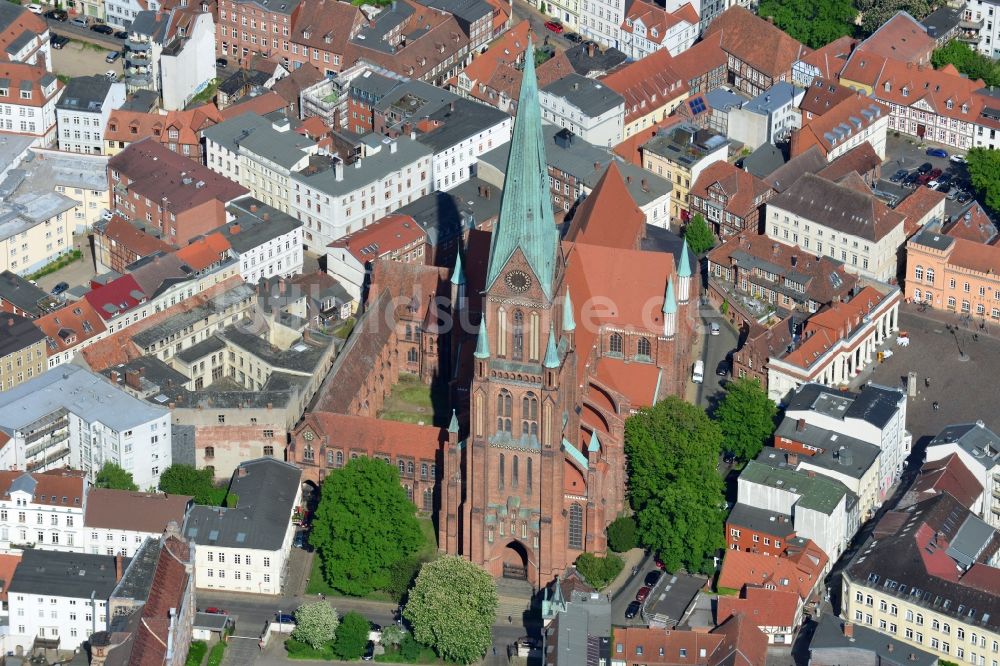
215 611
554 26
642 594
935 174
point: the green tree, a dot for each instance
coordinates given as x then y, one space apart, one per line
971 63
984 170
402 575
452 607
180 479
621 534
113 476
746 417
352 637
364 526
315 624
392 635
673 449
815 24
698 234
876 12
599 571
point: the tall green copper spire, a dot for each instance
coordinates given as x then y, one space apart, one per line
669 300
684 270
569 321
453 426
526 220
483 341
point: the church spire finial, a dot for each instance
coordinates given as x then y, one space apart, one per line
483 341
551 351
526 221
458 273
669 300
453 426
684 270
569 321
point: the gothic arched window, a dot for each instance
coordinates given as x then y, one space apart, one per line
644 347
502 461
616 344
529 414
528 478
576 527
505 408
515 473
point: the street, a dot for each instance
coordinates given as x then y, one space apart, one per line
716 349
524 10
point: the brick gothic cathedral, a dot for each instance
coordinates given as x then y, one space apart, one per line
539 470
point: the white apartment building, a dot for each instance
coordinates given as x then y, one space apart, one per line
843 222
60 597
586 107
259 155
344 198
649 27
837 343
981 18
79 177
43 510
83 110
246 548
569 12
468 130
117 522
978 448
821 508
265 241
187 66
768 118
875 415
26 38
73 417
35 230
28 97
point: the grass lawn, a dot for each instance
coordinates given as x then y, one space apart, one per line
344 330
196 653
217 653
411 401
297 650
426 656
317 585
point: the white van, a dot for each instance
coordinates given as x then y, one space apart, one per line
698 376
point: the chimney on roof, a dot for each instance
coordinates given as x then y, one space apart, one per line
597 166
451 107
890 647
645 185
792 459
253 208
134 377
811 473
800 426
769 19
115 377
234 229
591 48
118 567
265 217
794 260
628 179
849 630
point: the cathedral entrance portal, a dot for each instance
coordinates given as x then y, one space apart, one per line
515 561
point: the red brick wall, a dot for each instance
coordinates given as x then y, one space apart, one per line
765 543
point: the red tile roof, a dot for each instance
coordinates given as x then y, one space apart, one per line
830 59
8 563
261 105
610 199
132 126
945 91
375 435
167 593
121 232
702 57
30 77
663 647
822 95
982 577
24 22
204 252
974 256
799 575
744 644
59 487
629 149
148 512
657 21
503 53
901 37
115 297
917 206
756 42
327 25
70 326
647 84
387 235
835 322
975 225
847 115
856 162
949 475
765 608
161 175
741 187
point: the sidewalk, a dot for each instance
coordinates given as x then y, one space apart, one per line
632 558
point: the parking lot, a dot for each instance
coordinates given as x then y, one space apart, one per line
82 59
906 153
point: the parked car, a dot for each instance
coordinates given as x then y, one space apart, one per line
56 15
643 592
935 173
554 26
299 541
722 370
899 176
925 167
79 21
60 288
221 62
911 180
957 159
937 152
369 653
284 618
933 184
963 197
121 34
111 74
35 8
714 328
573 37
659 563
953 193
112 56
943 186
102 29
58 41
632 610
728 457
212 610
652 578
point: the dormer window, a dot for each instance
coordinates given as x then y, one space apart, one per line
888 86
950 104
906 91
656 32
965 108
25 94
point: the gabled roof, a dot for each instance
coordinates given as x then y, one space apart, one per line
647 84
740 187
973 225
830 59
744 644
902 37
117 296
851 116
657 20
822 95
384 236
763 607
799 573
756 42
701 58
828 326
944 91
204 252
609 200
327 25
122 232
948 475
147 512
70 326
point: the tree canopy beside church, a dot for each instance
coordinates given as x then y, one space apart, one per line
673 449
364 526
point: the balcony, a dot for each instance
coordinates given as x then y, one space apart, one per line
48 460
969 24
35 450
